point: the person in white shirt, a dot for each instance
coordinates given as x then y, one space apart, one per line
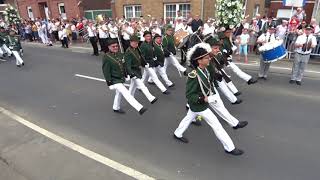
243 46
184 49
178 25
208 28
282 29
155 30
127 32
264 38
63 37
316 29
103 36
92 34
113 30
304 45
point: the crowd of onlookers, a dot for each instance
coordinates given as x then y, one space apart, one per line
83 30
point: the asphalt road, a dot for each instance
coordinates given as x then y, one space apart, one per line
280 142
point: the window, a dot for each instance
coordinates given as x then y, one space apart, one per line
256 10
285 13
170 10
132 11
30 13
62 11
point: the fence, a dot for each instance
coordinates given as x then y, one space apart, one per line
291 38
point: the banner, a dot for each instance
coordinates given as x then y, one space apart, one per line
294 3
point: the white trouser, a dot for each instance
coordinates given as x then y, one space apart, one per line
163 74
1 52
137 83
149 72
173 60
212 120
231 86
223 87
239 72
221 110
19 60
6 50
121 90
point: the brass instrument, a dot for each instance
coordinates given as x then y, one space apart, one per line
309 44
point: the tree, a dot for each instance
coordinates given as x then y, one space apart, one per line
12 15
229 13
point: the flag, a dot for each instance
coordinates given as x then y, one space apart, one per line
294 3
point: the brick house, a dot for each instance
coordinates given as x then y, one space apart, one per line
168 8
65 9
162 8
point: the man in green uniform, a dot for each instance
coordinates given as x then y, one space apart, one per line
159 53
228 49
4 41
170 51
114 72
15 47
200 94
147 50
223 80
134 62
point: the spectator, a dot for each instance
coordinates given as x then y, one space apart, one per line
196 23
253 32
300 14
243 48
282 29
315 26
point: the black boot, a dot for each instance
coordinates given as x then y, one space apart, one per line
235 152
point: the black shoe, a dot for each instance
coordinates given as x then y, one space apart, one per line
235 152
185 73
239 101
166 92
252 81
22 64
182 139
238 93
143 110
119 111
292 81
264 78
196 123
298 83
187 108
152 83
241 124
153 101
172 85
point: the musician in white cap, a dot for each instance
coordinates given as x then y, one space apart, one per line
265 38
200 93
304 45
114 71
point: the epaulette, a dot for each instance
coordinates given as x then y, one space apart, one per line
192 74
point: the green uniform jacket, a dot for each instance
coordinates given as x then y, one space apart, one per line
168 45
147 51
133 62
14 43
113 68
227 46
3 38
213 73
194 94
158 50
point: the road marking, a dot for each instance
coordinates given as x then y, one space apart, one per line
3 60
94 78
277 67
86 152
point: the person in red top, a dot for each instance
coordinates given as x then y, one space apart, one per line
80 29
294 23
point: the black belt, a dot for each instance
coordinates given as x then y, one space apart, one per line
303 54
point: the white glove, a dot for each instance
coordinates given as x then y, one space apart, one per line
147 65
234 48
155 58
213 99
127 78
224 50
112 87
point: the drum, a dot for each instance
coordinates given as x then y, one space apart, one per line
273 51
180 37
